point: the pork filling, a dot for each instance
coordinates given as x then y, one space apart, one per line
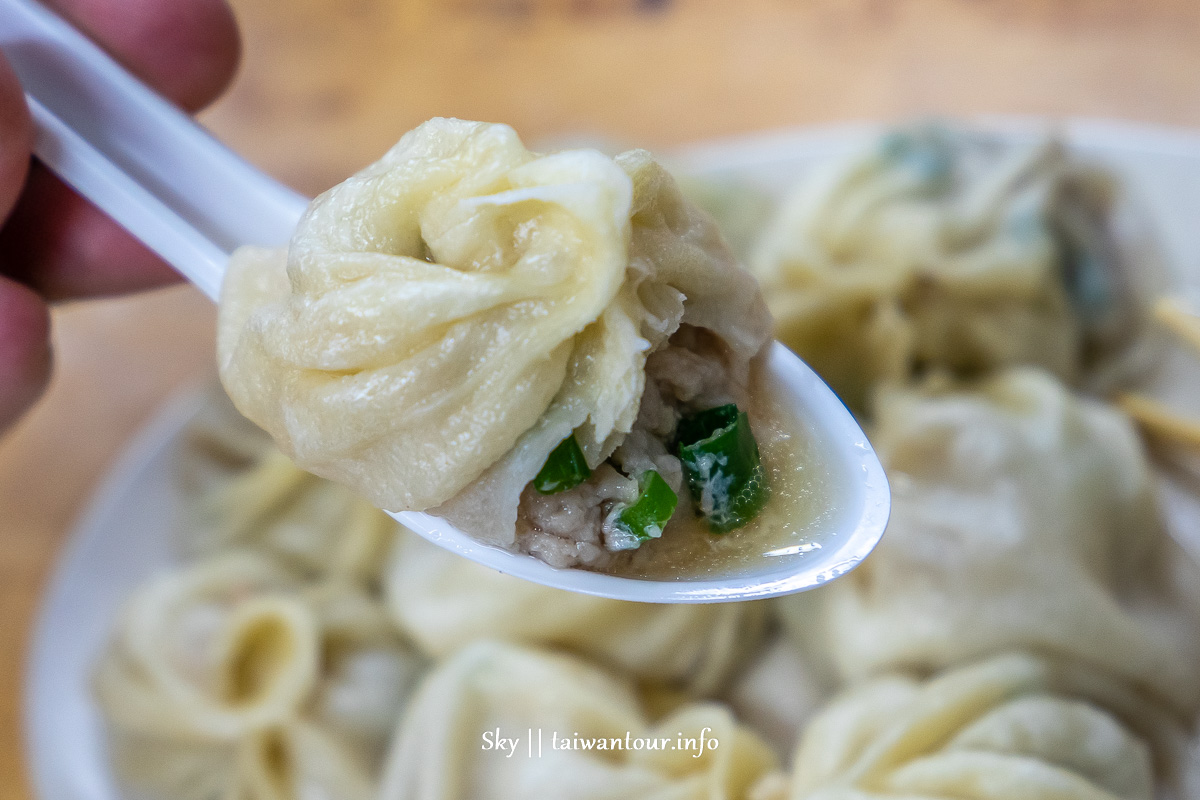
613 509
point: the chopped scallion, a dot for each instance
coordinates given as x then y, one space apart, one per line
722 466
649 514
565 468
704 424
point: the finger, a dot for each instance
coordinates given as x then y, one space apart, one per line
55 241
186 49
16 138
63 247
24 321
24 349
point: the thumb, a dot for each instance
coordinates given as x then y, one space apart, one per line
24 318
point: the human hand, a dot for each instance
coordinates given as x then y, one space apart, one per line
53 244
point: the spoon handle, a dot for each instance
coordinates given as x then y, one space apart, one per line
137 157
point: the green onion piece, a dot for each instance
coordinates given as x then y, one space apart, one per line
723 469
565 468
704 424
649 514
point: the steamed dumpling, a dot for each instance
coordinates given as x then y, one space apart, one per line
440 751
293 760
219 649
941 248
1022 517
679 273
427 314
1013 727
230 679
443 319
445 602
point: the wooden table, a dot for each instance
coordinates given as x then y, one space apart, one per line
329 84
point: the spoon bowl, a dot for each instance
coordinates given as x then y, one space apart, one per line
193 201
852 531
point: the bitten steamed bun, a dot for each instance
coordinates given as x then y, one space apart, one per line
443 319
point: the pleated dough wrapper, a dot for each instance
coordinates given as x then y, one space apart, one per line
1022 517
1016 726
943 248
438 751
241 492
216 650
233 679
445 602
293 760
444 318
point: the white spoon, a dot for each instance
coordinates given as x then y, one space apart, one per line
192 201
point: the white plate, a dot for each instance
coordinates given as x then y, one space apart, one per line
123 538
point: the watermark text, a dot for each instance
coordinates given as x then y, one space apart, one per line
535 742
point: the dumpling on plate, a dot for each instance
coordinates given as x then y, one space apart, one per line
1023 517
1017 726
228 679
219 649
444 602
942 248
293 760
545 349
497 721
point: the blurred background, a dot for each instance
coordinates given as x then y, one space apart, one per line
327 85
